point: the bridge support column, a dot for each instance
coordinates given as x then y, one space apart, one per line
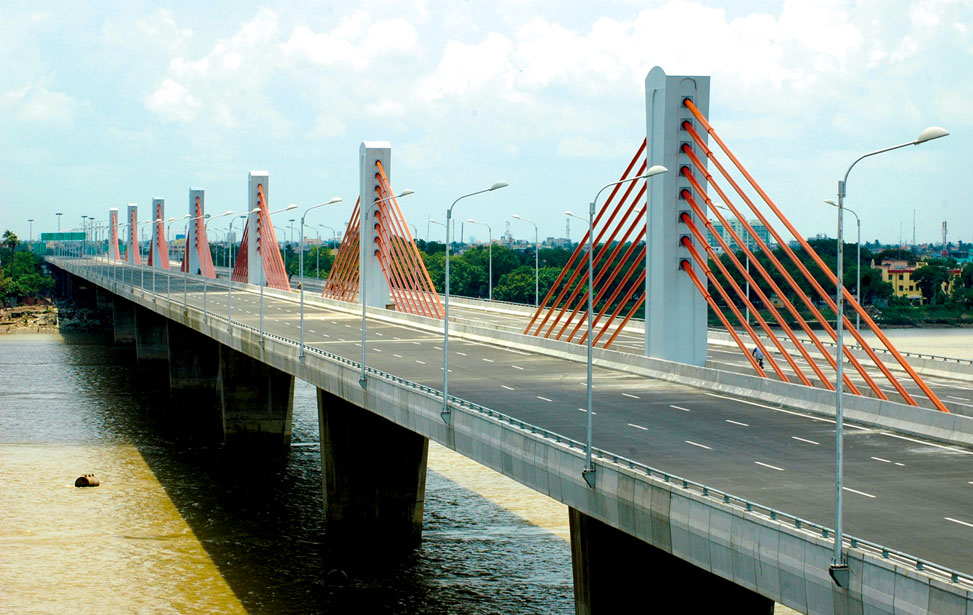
151 336
102 299
614 570
123 317
194 361
374 479
257 399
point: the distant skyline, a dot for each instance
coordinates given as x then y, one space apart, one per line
105 103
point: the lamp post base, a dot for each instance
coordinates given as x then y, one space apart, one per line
840 574
588 474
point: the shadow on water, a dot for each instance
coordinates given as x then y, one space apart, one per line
258 514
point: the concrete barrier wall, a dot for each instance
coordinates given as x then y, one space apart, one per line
776 559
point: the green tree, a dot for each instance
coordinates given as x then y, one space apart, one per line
930 279
966 276
9 240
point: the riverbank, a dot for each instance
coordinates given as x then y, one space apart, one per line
47 318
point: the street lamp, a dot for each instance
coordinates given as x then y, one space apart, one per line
362 269
229 281
169 233
490 245
433 221
537 248
300 283
449 216
30 232
588 473
58 214
206 278
138 244
839 566
858 268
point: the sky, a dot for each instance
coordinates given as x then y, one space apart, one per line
108 103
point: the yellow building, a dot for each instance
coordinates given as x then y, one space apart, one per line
899 274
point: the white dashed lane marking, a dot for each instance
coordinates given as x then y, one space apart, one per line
506 387
679 408
958 521
638 427
867 495
737 423
805 440
543 398
767 465
697 444
632 396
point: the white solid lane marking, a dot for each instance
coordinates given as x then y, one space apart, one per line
491 360
882 460
867 495
958 521
737 423
544 398
679 408
959 398
516 367
636 396
506 387
423 362
948 448
638 427
753 403
767 465
697 444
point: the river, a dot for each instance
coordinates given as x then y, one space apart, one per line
182 524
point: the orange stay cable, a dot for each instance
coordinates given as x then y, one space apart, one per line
726 323
618 308
623 283
688 244
396 273
790 281
578 251
425 282
687 220
834 280
598 254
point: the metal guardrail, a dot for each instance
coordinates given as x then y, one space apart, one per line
715 495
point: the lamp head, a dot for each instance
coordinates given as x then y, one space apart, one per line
290 207
933 132
498 185
655 169
831 203
406 192
516 216
336 199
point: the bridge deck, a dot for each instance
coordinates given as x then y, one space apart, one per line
903 492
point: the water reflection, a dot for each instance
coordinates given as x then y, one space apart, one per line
182 523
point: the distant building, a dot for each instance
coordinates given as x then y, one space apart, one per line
737 227
899 274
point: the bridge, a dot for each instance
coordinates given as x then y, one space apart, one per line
704 478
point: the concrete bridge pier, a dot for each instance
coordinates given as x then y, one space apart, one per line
374 480
103 299
257 400
151 337
123 317
194 361
614 570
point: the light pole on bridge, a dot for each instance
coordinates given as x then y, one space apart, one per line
537 249
449 215
839 565
300 282
588 473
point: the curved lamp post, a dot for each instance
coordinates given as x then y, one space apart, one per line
301 258
588 473
490 245
537 249
839 565
858 269
361 267
206 278
449 215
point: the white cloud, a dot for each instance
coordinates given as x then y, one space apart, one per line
172 101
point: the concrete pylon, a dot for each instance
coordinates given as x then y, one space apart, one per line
158 250
132 256
675 315
258 183
372 281
196 257
113 253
